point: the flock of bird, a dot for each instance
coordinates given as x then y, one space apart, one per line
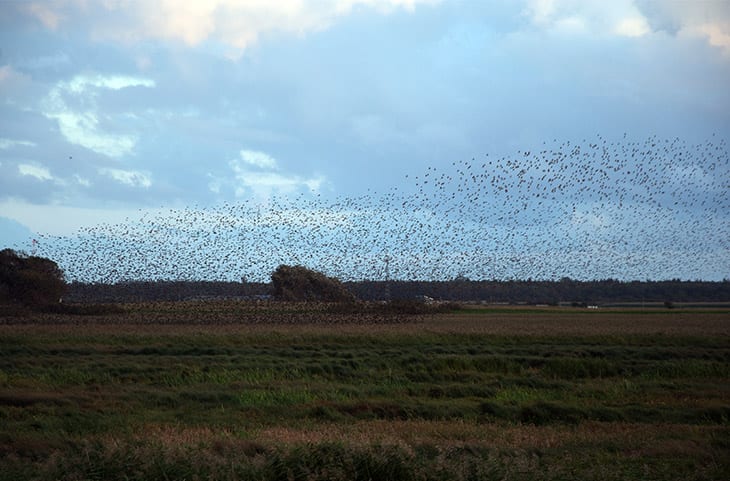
650 209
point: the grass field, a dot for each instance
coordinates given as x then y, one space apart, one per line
212 391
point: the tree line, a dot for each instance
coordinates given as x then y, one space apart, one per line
39 282
562 292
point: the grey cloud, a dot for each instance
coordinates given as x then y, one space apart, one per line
369 94
659 16
704 19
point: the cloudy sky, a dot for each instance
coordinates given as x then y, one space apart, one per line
112 106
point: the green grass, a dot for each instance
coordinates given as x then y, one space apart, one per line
76 404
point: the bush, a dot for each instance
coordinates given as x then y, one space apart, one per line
30 280
297 283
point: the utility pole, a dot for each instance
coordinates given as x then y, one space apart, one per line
387 277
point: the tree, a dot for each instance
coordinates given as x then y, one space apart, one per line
30 280
297 283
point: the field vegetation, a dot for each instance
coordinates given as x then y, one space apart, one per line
244 390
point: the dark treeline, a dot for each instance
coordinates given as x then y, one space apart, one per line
565 291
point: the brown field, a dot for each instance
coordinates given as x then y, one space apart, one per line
229 390
241 317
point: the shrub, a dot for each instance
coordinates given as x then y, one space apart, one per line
297 283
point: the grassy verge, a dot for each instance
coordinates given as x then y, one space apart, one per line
449 397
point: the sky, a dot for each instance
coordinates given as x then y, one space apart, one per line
111 110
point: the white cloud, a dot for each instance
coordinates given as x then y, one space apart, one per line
215 184
315 183
40 173
82 129
237 24
81 83
132 178
265 184
634 18
10 143
258 173
541 12
82 181
632 27
572 24
268 181
617 17
258 159
80 125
